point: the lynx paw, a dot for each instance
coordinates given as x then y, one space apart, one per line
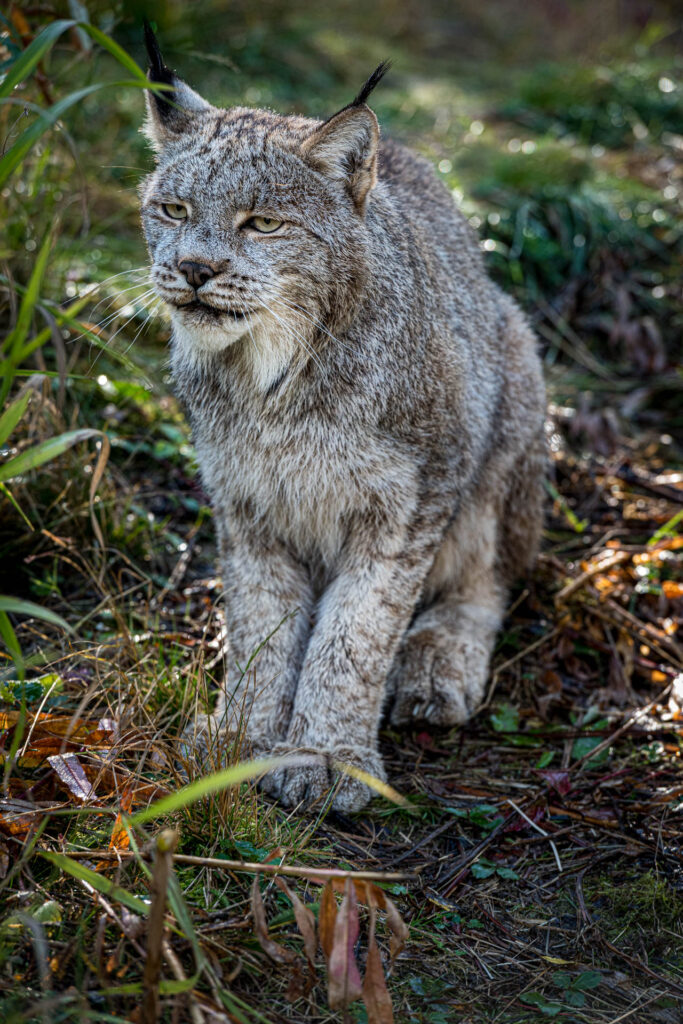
438 679
309 783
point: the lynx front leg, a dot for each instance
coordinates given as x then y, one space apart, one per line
268 602
340 692
442 666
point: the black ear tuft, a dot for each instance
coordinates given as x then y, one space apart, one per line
374 79
157 71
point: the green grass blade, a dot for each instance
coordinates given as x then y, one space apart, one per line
10 637
116 51
103 885
669 529
12 415
44 452
18 334
18 606
14 156
204 787
22 67
168 987
15 504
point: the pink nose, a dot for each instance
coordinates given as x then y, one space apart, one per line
196 274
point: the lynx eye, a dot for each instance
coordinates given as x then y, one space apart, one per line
176 211
266 225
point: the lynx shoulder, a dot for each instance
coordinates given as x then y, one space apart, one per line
367 409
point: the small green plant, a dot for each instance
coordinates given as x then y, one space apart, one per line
484 868
574 989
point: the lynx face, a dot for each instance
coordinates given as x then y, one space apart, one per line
255 224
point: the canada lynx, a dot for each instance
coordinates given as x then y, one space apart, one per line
367 409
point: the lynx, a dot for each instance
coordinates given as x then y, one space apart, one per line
367 409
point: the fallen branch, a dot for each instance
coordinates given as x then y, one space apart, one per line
594 570
241 865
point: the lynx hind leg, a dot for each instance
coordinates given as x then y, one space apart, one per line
440 673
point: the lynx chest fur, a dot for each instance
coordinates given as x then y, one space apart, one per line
367 409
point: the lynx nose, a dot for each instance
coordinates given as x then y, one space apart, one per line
196 274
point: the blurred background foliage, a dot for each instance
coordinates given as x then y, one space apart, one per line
557 125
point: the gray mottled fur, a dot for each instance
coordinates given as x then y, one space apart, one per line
370 432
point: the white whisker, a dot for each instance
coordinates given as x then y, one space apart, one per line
312 320
298 337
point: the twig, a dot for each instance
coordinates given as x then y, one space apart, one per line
511 661
641 966
466 860
163 866
177 968
241 865
542 831
579 765
594 570
444 827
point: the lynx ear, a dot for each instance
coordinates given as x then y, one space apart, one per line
171 112
345 146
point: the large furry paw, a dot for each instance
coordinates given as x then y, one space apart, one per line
438 678
306 784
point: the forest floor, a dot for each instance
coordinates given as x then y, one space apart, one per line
536 855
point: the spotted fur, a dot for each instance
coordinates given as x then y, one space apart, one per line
367 410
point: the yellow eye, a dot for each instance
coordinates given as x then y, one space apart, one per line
266 225
176 211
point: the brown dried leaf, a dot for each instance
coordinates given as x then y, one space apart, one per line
366 892
343 978
19 817
70 771
327 915
375 993
4 858
274 950
398 928
76 730
304 919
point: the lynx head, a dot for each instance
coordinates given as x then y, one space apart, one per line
256 222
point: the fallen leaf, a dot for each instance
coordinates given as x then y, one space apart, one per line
343 978
376 996
304 919
558 781
274 950
327 915
70 770
398 928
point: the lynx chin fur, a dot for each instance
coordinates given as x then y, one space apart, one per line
367 409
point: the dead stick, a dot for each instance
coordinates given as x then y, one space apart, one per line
241 865
639 713
594 570
163 866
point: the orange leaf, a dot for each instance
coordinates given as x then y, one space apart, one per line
672 590
120 837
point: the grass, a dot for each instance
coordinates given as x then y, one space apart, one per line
567 168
